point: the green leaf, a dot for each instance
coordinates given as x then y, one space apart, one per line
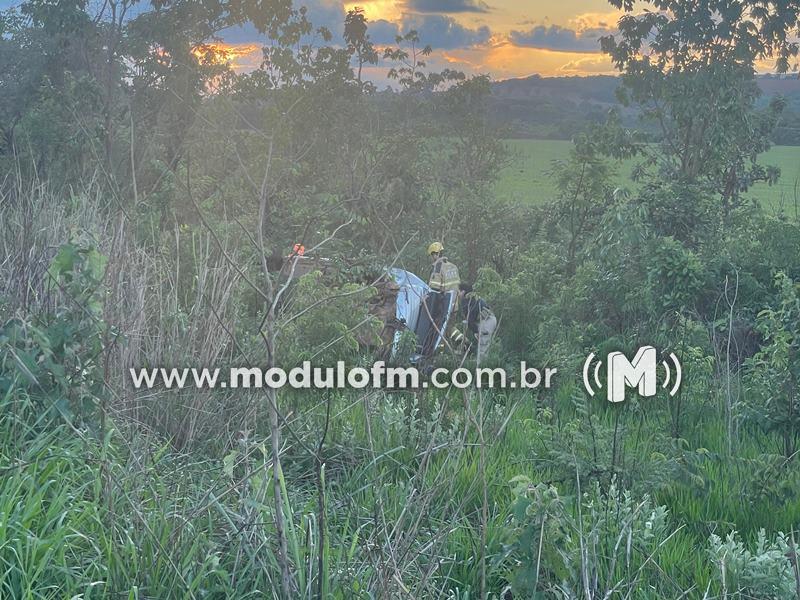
229 462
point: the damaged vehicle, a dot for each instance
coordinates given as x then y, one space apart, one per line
402 302
405 302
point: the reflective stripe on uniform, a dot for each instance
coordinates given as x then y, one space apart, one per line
444 276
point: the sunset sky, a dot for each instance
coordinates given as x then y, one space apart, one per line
505 38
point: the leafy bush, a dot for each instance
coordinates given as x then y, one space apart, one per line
606 544
675 274
333 329
683 212
774 372
764 573
55 356
527 302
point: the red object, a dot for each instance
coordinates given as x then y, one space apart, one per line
298 250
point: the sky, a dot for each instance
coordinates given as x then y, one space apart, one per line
502 38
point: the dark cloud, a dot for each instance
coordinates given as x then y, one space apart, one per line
325 13
445 32
382 33
558 38
447 6
440 31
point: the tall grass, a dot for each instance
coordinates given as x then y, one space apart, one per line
170 498
128 515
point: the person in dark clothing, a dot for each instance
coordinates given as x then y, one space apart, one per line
477 318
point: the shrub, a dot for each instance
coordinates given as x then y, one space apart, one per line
675 274
603 545
55 356
764 573
774 372
332 329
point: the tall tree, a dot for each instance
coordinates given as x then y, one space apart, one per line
358 40
690 65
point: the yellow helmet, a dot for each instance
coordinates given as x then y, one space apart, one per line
435 247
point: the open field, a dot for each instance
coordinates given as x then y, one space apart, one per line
527 175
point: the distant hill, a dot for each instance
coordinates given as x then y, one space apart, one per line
559 107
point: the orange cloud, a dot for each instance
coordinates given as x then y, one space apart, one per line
595 20
221 53
767 65
240 57
589 65
504 60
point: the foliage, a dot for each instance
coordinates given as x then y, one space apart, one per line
526 301
333 328
199 182
773 371
606 548
584 194
358 41
410 57
766 572
675 274
690 65
56 358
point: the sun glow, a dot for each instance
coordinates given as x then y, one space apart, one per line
505 60
222 54
376 10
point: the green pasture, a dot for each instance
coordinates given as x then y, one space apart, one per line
527 175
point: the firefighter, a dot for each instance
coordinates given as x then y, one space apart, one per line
444 274
477 318
443 279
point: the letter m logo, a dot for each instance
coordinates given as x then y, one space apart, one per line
622 373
